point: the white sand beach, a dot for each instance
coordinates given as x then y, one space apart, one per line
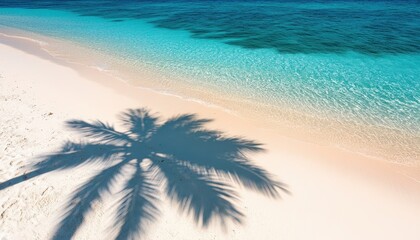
332 194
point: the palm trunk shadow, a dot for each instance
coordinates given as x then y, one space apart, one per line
22 178
197 169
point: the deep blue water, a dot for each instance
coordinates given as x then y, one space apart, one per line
368 27
351 62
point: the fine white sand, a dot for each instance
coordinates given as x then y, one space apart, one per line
333 194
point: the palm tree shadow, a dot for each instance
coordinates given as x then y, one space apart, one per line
194 166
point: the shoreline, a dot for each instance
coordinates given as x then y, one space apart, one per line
32 47
308 130
327 185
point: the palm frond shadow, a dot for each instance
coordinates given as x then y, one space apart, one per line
196 168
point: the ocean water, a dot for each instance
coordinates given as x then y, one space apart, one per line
344 72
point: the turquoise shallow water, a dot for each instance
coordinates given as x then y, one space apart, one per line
352 62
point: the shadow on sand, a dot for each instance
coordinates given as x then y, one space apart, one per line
193 166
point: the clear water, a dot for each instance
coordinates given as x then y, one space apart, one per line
350 68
